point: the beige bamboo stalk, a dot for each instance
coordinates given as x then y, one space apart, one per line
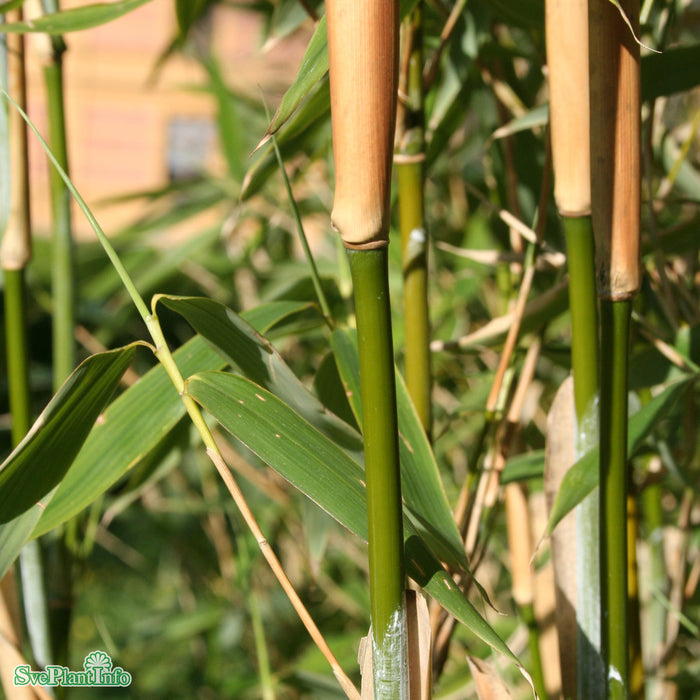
615 149
363 109
567 65
16 247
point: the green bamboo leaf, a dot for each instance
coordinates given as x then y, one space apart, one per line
188 12
523 467
14 534
290 444
75 19
316 466
255 357
582 478
293 136
420 478
134 425
266 316
228 121
314 65
10 5
40 461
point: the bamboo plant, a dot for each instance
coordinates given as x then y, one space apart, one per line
615 164
15 255
410 159
567 61
362 51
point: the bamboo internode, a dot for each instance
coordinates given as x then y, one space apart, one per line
615 146
16 248
567 65
363 54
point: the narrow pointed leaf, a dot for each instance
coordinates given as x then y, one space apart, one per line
582 478
420 478
327 475
256 358
314 66
289 443
266 316
14 534
75 19
40 461
134 424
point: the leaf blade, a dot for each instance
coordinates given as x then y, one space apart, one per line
76 18
43 457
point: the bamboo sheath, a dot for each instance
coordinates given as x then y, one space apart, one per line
615 146
362 55
16 244
567 65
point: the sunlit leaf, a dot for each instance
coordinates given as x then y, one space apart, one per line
326 474
76 18
255 357
133 425
40 461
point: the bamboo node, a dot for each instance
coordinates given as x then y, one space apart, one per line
407 158
367 245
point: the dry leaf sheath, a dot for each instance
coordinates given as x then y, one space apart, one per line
567 63
615 147
362 52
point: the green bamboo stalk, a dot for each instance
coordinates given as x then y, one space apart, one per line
315 277
409 160
567 54
17 352
382 475
15 254
584 362
62 254
59 557
615 323
615 188
636 691
362 53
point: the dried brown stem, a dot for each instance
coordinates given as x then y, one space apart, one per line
362 55
615 147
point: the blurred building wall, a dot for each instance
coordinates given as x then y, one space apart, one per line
127 131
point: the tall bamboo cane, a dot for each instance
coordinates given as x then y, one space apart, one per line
615 164
409 159
63 292
15 254
363 51
567 61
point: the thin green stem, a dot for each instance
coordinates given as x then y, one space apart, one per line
315 277
267 689
60 584
63 278
527 612
102 237
17 353
414 237
31 566
615 325
382 475
583 303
